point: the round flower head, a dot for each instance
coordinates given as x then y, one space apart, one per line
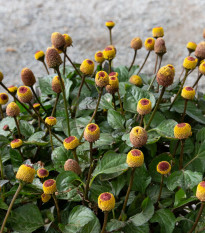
56 85
109 52
28 77
200 191
190 63
136 80
163 167
157 32
172 68
49 186
202 68
99 58
188 93
191 46
51 120
101 79
12 89
53 59
71 143
39 55
113 74
160 47
72 165
165 76
87 67
136 43
109 24
200 50
149 44
106 201
12 110
6 128
68 40
45 197
138 136
16 143
36 106
1 76
113 85
59 51
135 158
182 131
25 173
144 106
3 98
92 132
58 41
42 173
24 94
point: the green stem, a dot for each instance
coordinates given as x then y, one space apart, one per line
10 207
105 221
55 105
199 76
133 61
75 155
19 150
175 149
144 62
141 120
128 192
113 97
34 93
110 66
17 126
181 154
160 191
155 67
57 207
155 109
121 107
46 67
185 107
2 176
1 111
51 140
110 30
64 61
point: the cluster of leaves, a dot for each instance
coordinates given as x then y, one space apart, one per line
178 205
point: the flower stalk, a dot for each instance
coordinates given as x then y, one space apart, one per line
34 93
57 207
144 62
184 112
17 126
133 61
181 154
105 221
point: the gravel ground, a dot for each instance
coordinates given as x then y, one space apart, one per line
26 26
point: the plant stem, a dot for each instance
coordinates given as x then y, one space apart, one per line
34 93
46 67
185 107
121 107
199 76
65 101
180 89
141 120
10 207
19 150
2 177
51 141
1 111
160 191
110 66
155 109
181 154
57 207
198 217
75 155
144 62
128 192
64 61
89 172
181 73
105 221
175 149
17 126
110 30
113 97
155 67
133 61
55 105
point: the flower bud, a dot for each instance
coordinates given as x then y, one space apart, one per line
92 132
190 63
68 40
160 47
182 131
45 197
149 44
191 46
24 94
113 74
56 85
49 186
6 128
36 106
39 55
172 68
53 59
109 52
12 110
113 85
87 67
58 41
188 93
99 58
144 106
12 89
3 98
200 191
200 50
72 165
101 79
42 173
165 76
25 173
106 201
138 136
136 80
50 121
109 24
158 32
136 43
71 143
163 167
16 143
28 77
202 68
135 158
1 76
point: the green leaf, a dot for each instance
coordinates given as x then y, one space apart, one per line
114 225
3 141
131 228
181 199
106 102
26 218
123 73
166 219
45 85
16 159
7 121
115 119
36 139
26 128
88 103
68 83
64 179
153 137
3 205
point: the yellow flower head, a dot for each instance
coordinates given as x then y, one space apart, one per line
71 143
45 197
109 52
106 201
188 93
87 67
49 186
1 76
12 110
202 68
113 74
24 94
101 79
51 120
59 51
68 40
190 63
144 106
72 165
165 76
3 98
58 41
39 55
113 85
92 132
159 46
36 106
191 46
158 32
136 80
28 77
25 173
200 191
13 89
172 68
182 131
42 173
16 143
53 59
136 43
149 44
99 58
109 24
135 158
200 50
138 136
163 167
56 85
